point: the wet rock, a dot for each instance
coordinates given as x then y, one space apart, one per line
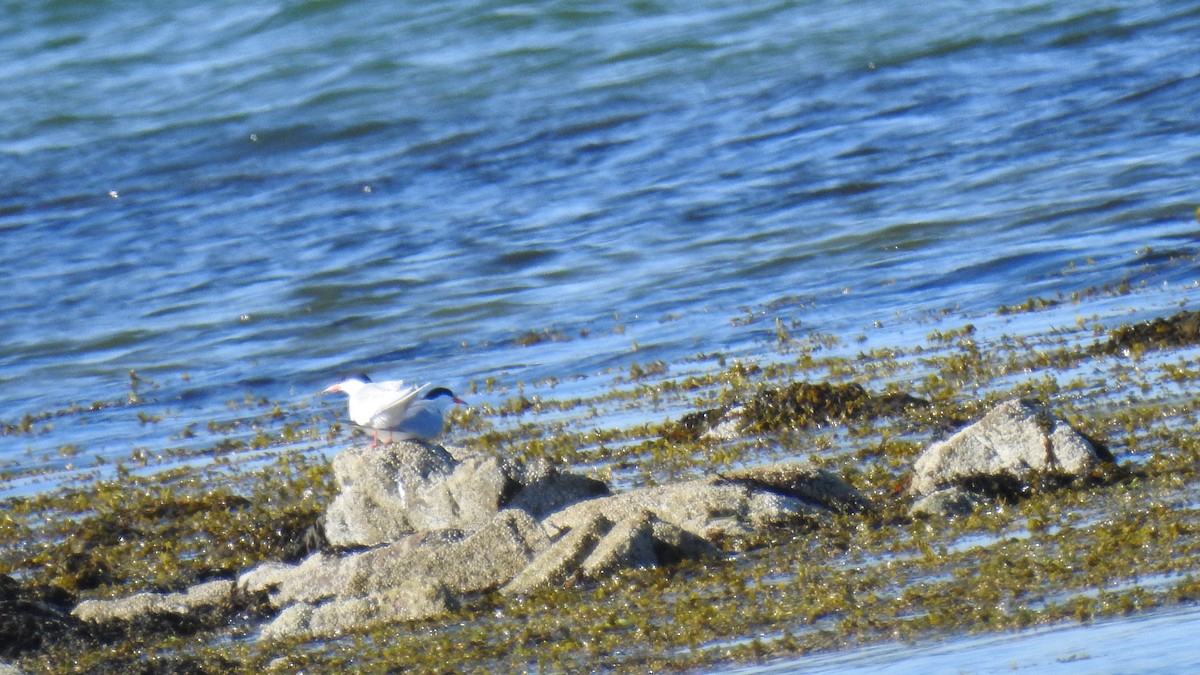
1174 331
129 608
798 405
951 501
1014 442
10 669
392 490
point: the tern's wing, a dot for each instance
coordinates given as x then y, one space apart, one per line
392 403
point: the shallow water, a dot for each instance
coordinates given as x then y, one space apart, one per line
1160 642
247 201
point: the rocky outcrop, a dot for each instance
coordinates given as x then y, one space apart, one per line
447 526
326 595
796 405
1016 442
389 491
130 607
732 505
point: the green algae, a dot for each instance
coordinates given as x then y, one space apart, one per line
1179 329
163 532
1051 551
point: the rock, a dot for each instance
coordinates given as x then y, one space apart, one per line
739 504
598 547
805 482
392 490
10 669
378 488
673 544
628 545
951 501
293 621
264 577
415 599
561 561
460 551
544 494
131 607
483 561
326 594
1014 441
665 524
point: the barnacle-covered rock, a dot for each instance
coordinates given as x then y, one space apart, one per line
392 490
1016 441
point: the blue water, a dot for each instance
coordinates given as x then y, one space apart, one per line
252 199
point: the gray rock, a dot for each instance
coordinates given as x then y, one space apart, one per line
560 561
543 494
483 561
379 487
428 572
391 490
664 524
595 549
673 543
10 669
951 501
414 599
265 577
805 482
628 545
293 621
1017 439
736 505
208 594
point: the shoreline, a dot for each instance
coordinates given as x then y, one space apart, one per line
1054 554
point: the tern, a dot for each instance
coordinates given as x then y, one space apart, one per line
405 411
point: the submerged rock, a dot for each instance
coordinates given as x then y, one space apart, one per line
1014 442
392 490
951 501
797 405
1164 332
